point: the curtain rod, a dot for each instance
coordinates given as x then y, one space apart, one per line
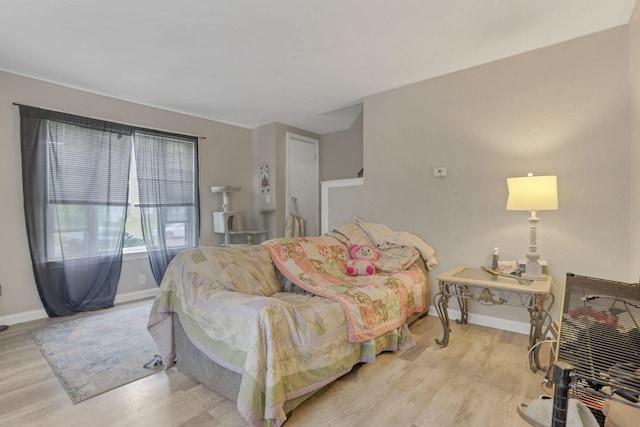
113 121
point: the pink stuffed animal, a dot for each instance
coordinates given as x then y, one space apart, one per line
361 262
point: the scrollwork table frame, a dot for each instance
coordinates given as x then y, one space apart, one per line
474 283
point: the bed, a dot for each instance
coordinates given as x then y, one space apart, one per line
259 335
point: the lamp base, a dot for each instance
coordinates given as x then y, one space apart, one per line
533 270
534 277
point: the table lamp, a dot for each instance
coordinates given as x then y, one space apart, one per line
533 193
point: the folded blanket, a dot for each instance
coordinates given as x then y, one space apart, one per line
398 249
373 304
385 238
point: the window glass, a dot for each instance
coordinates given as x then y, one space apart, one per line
85 218
69 231
176 230
76 231
133 239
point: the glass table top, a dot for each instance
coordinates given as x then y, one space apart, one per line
481 277
482 274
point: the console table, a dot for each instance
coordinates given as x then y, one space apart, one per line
480 285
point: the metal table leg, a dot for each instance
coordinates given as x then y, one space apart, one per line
463 303
441 302
537 317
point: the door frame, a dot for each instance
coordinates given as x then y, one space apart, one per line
315 173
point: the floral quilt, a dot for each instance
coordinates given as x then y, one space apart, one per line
284 345
373 304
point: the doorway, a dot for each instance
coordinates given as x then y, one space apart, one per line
303 180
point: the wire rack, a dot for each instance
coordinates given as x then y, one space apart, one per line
600 338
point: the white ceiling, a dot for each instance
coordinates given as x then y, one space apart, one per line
305 63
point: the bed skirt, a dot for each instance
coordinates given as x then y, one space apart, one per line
196 365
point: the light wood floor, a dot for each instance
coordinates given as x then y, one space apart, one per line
478 380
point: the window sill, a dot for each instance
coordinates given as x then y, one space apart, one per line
134 255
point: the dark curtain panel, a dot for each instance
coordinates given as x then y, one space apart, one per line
75 184
167 173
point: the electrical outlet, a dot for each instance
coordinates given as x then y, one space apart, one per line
142 279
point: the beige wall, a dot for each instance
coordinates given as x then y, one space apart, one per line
634 73
281 172
561 110
264 152
225 157
341 153
270 146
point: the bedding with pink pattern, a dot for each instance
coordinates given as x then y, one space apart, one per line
373 304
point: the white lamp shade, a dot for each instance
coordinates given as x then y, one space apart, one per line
532 193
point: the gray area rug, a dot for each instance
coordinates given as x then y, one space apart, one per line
100 352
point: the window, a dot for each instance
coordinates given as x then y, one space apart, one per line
83 222
84 215
83 208
166 168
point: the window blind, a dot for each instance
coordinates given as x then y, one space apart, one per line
82 160
84 154
167 175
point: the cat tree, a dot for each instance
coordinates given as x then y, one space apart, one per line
229 222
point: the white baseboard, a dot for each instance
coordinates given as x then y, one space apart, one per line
134 296
28 316
489 321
